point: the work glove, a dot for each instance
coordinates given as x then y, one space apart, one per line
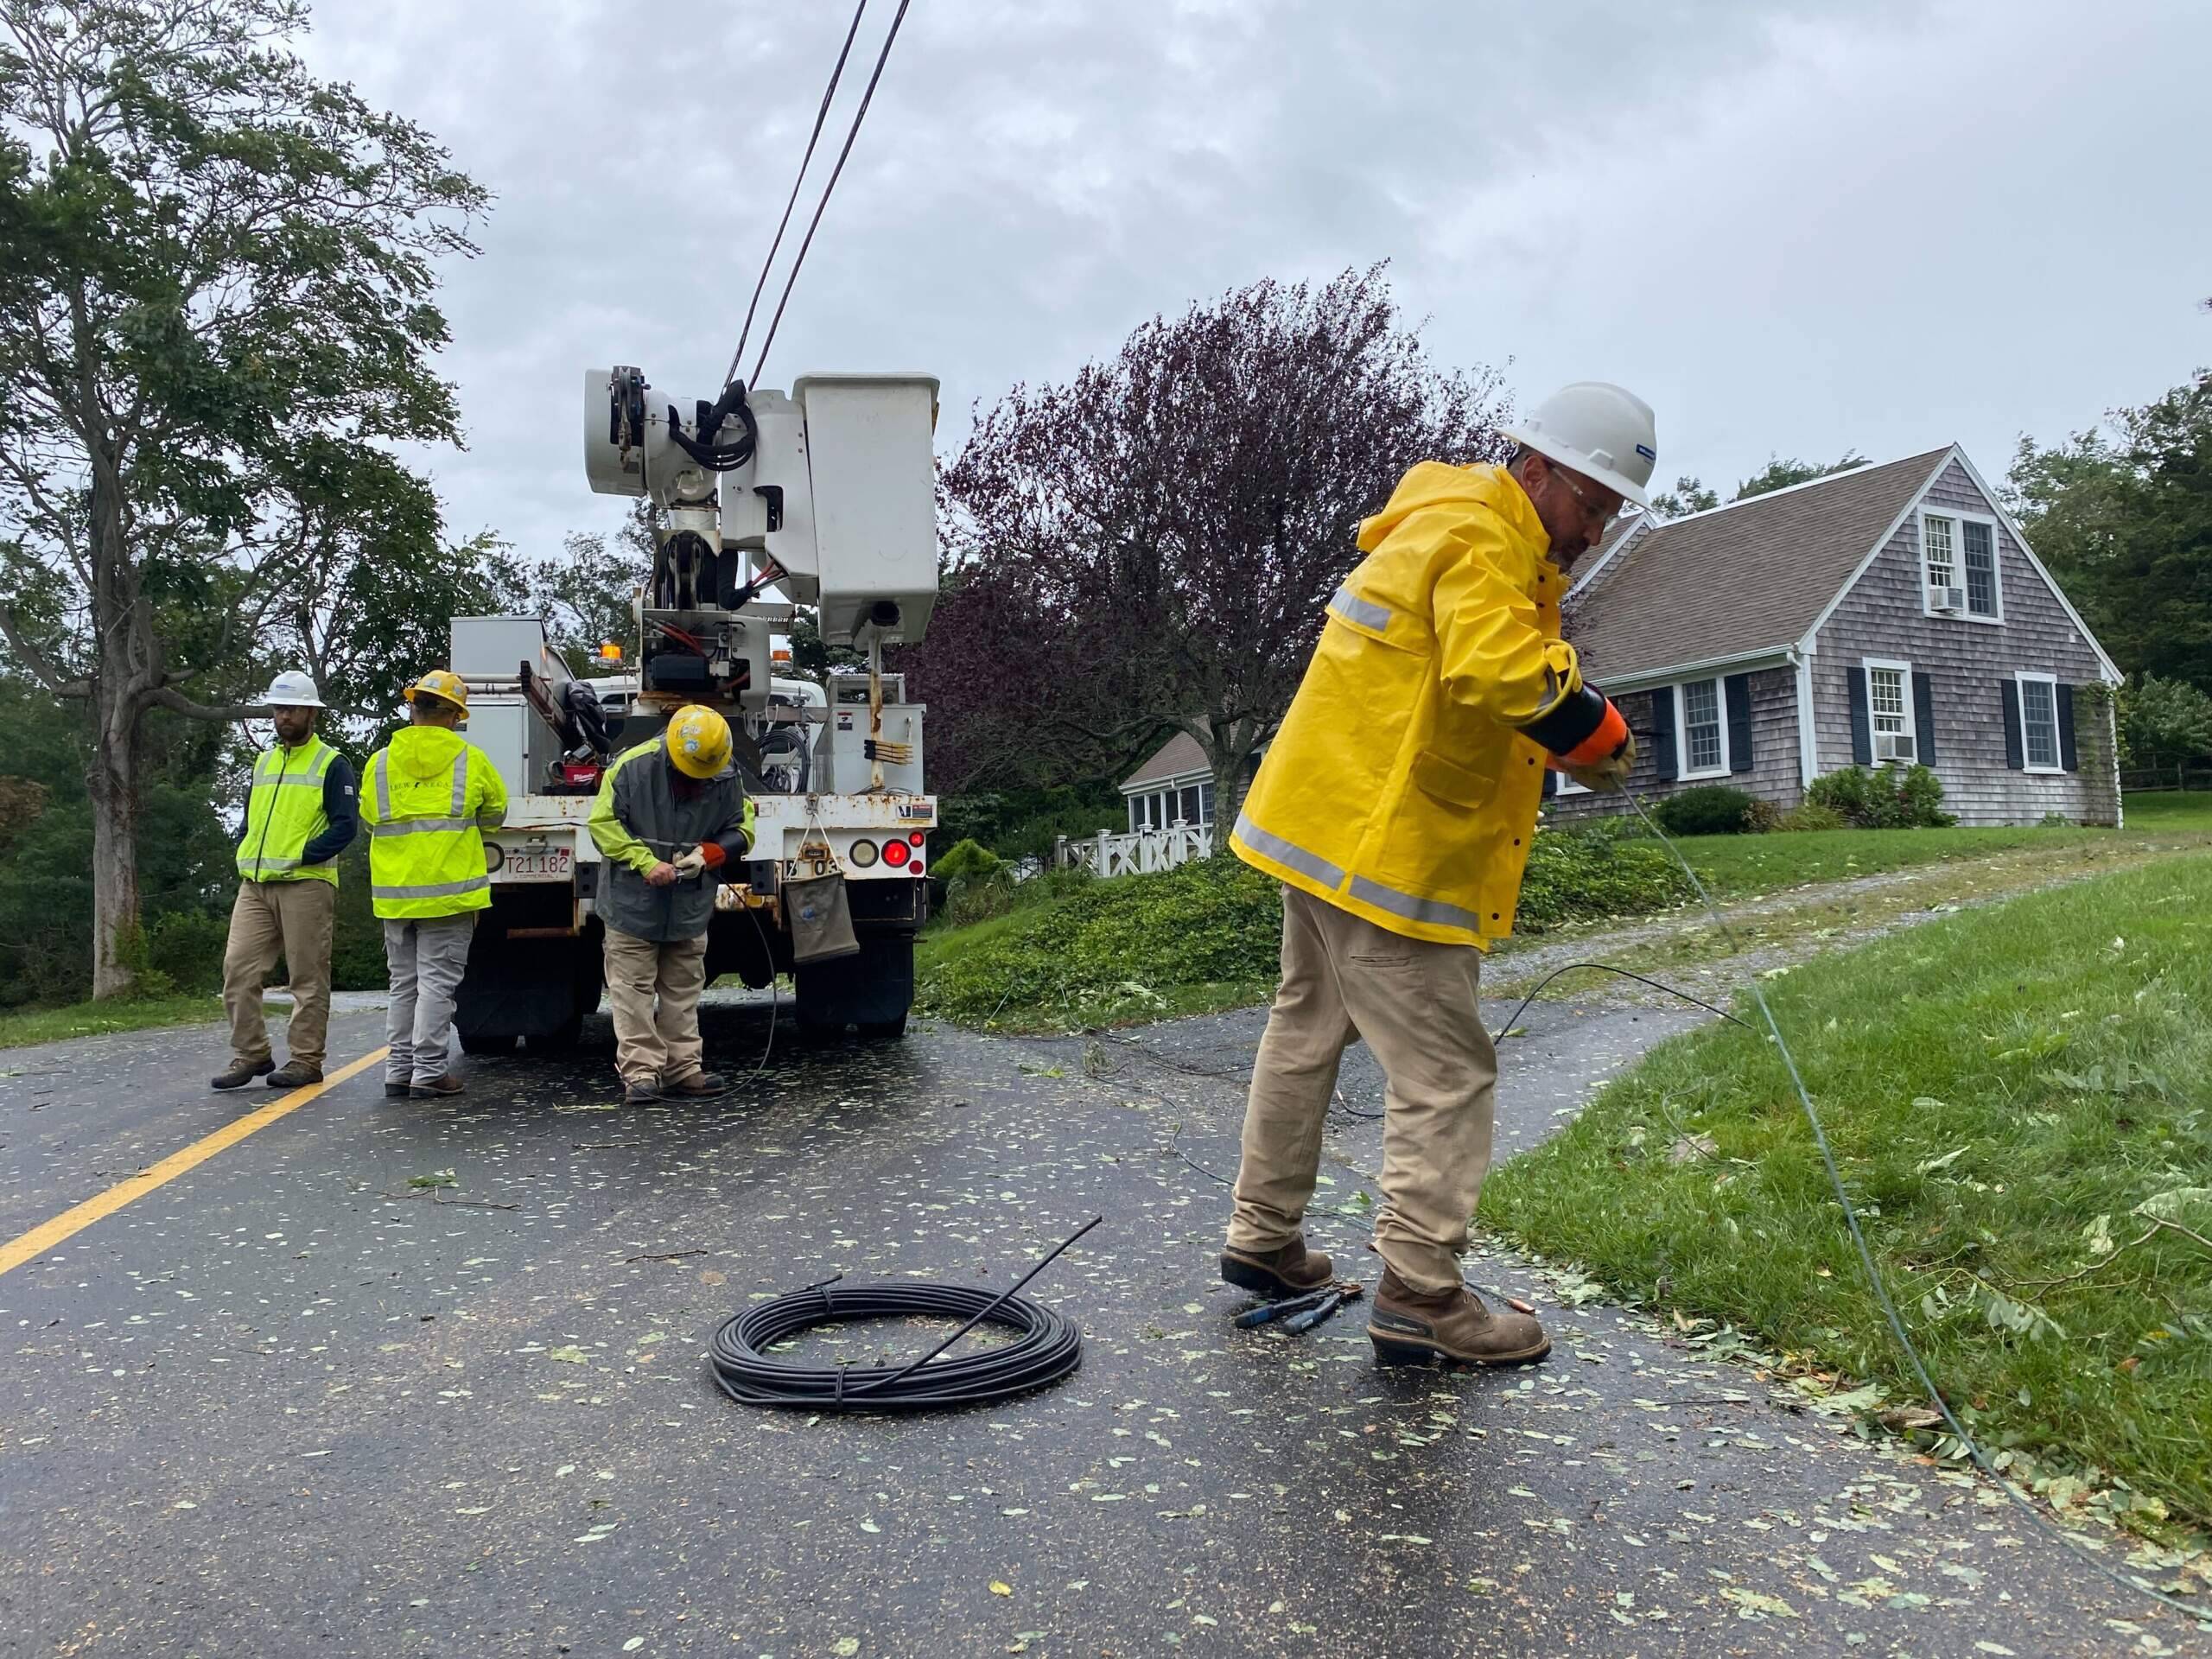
706 855
1609 773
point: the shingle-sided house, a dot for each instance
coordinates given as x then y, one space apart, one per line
1890 614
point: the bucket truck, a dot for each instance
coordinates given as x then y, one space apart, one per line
761 501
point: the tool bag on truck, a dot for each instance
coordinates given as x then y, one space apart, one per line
821 917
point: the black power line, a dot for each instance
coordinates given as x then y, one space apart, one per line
851 133
805 161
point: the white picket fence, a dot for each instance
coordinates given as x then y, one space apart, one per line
1139 854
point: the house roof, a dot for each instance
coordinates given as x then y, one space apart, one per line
1738 580
1178 757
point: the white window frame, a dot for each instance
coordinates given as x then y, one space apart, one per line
2021 681
1567 786
1682 770
1958 519
1867 666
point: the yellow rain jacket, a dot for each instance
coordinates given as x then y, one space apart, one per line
427 798
1400 787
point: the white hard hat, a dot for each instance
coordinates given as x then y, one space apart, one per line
292 689
1597 429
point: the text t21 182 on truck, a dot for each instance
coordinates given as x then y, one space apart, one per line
824 497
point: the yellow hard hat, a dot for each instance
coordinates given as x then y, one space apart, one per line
698 741
444 683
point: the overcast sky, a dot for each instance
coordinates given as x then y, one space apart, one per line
1791 227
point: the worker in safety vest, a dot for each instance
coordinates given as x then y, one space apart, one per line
299 816
672 813
428 796
1396 805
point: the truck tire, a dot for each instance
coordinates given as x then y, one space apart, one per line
587 983
871 990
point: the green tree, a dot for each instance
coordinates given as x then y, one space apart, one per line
814 658
1779 473
586 596
2163 720
1689 495
2124 524
216 313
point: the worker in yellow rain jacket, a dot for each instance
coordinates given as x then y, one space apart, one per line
1395 806
427 799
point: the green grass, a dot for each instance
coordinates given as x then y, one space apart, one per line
1075 954
2003 1088
1072 953
1735 865
2169 809
1098 953
24 1026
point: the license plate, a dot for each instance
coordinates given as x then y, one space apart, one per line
536 864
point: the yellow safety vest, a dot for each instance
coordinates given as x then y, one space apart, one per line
1400 787
426 847
284 813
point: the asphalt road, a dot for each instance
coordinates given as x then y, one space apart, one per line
290 1404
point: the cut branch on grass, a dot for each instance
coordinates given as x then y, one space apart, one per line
2158 1225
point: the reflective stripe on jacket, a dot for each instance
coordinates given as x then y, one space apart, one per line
644 816
284 812
1399 786
427 798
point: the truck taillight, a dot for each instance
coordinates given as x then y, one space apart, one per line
896 853
916 838
864 854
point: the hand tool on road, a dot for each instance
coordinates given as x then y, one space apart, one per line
1299 1323
1293 1307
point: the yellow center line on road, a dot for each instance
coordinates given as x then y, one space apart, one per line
44 1237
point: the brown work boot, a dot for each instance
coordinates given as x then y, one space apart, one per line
438 1087
239 1073
697 1086
641 1094
1290 1270
295 1074
1412 1327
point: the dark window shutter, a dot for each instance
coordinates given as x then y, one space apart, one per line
1738 689
1662 734
1862 723
1923 717
2016 754
2068 756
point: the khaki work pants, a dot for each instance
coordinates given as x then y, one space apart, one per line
1414 1002
655 1047
292 919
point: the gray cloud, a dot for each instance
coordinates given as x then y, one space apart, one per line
1793 228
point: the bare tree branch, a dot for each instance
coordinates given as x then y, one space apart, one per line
168 696
32 658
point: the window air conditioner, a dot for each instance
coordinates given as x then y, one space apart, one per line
1947 599
1895 745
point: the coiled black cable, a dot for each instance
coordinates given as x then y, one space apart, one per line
1046 1347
